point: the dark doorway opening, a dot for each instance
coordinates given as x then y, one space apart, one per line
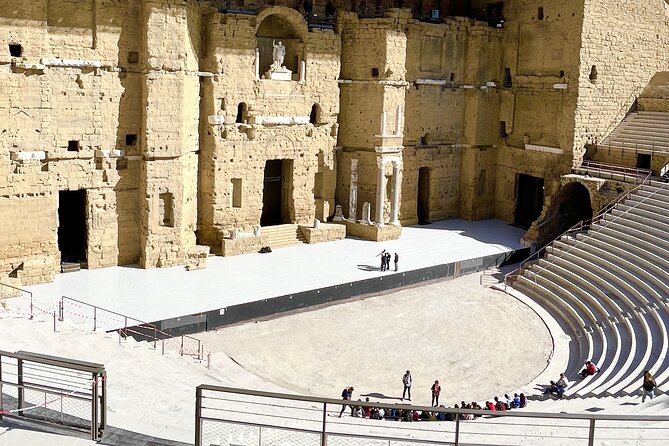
529 199
643 160
72 237
575 206
277 193
423 198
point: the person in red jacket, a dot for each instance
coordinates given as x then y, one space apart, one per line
490 406
436 390
589 369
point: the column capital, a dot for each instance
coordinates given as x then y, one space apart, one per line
381 162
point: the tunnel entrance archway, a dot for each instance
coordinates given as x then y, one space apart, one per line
570 206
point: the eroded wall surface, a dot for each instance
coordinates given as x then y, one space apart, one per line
165 113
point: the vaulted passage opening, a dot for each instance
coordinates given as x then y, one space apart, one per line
569 207
277 199
423 198
529 199
72 236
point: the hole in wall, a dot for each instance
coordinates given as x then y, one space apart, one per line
375 72
540 13
73 146
593 74
130 139
133 57
242 113
15 50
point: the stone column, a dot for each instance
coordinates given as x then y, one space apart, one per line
382 127
395 203
303 71
380 191
353 194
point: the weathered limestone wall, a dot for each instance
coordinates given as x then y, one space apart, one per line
541 60
168 177
289 120
626 42
65 88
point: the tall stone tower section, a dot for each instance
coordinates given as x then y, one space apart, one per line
171 93
373 87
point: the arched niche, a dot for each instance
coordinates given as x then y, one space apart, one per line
283 25
570 206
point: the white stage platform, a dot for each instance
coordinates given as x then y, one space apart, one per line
163 293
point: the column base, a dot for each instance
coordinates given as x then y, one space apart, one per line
373 232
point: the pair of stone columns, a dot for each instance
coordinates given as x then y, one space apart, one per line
381 192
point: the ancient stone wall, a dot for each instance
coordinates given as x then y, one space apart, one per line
623 45
62 104
249 119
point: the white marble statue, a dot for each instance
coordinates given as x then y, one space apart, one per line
278 54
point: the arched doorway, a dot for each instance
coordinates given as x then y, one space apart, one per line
570 206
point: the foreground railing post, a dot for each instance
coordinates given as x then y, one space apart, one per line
457 430
31 307
95 318
198 416
325 416
591 434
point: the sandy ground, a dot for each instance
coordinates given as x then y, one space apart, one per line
476 341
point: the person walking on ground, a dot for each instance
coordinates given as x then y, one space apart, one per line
397 260
406 380
436 390
346 395
649 385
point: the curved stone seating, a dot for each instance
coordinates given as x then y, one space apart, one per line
614 278
582 344
633 292
616 326
633 254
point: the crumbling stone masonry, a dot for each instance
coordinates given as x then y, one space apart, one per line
150 131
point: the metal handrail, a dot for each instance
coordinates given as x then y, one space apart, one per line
592 418
23 291
123 331
580 225
588 164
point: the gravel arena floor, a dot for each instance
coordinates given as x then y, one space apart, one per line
476 341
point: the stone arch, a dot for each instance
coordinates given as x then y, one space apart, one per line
284 25
572 204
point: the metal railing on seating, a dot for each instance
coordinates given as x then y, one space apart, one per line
633 173
125 326
225 415
52 390
581 227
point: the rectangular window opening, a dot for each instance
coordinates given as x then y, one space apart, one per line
166 215
375 72
15 50
133 57
452 77
236 192
73 146
508 82
130 139
540 13
502 130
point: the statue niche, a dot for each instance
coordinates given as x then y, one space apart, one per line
278 49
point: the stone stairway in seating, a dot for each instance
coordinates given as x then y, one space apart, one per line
609 289
643 130
283 235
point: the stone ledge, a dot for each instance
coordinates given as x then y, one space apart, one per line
372 232
243 245
327 232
